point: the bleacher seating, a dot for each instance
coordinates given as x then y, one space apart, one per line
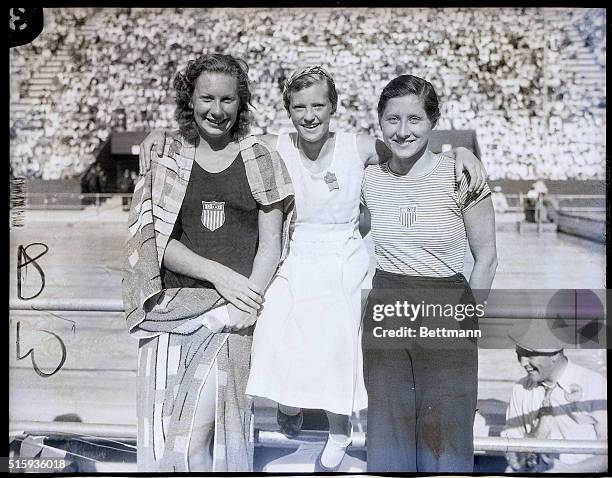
529 81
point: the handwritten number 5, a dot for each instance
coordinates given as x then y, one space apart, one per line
31 353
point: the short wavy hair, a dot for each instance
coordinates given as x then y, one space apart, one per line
184 85
404 85
308 76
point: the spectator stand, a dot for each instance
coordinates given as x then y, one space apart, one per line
527 80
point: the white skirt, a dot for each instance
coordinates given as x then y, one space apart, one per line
307 342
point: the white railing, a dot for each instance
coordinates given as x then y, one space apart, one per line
69 201
516 201
510 308
596 204
265 438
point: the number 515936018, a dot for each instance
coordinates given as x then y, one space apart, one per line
36 463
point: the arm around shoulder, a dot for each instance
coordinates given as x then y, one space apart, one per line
155 139
372 150
466 160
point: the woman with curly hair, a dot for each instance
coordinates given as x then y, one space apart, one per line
206 236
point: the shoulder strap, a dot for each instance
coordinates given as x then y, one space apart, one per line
266 172
346 145
247 142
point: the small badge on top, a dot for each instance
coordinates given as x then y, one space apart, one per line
408 215
331 181
213 214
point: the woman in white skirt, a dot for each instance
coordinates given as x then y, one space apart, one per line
306 346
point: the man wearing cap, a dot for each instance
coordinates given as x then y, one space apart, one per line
558 399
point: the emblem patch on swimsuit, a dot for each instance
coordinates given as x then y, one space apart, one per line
213 214
408 216
331 181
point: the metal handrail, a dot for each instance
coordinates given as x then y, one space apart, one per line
493 311
561 196
582 209
57 201
36 201
78 194
102 430
537 445
513 196
47 196
481 444
69 305
278 440
579 196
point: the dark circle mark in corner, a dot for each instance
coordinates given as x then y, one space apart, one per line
578 318
25 24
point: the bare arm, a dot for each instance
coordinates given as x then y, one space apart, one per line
268 254
243 293
372 150
365 220
479 223
266 260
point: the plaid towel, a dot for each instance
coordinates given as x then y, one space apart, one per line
176 353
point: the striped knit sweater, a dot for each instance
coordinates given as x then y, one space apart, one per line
417 220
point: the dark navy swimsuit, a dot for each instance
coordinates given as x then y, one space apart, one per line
218 220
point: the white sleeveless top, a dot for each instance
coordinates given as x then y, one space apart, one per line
325 206
307 342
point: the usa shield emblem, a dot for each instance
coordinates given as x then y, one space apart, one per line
213 214
408 216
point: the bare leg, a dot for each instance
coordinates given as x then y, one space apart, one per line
200 454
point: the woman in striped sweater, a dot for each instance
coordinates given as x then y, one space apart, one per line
421 373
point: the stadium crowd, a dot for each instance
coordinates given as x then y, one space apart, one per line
498 71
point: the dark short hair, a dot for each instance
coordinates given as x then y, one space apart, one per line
308 76
184 85
411 85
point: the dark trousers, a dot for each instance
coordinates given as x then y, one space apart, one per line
421 399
